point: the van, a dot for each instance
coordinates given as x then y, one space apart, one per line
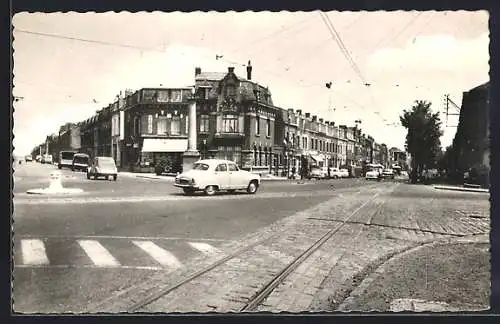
65 159
80 162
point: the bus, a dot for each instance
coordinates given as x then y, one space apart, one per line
65 159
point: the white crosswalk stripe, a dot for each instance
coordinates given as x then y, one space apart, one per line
163 257
205 248
33 252
98 253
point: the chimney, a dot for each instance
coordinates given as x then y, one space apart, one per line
299 111
249 71
230 69
314 118
321 120
327 122
308 115
332 124
197 71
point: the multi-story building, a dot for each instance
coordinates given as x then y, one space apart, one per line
471 143
225 116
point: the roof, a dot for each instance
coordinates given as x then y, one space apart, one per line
212 162
483 86
214 76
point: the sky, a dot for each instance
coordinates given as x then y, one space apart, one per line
402 56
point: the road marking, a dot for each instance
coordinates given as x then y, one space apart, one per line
33 252
111 237
164 257
205 248
98 253
86 266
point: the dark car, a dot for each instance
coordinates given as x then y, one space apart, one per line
81 162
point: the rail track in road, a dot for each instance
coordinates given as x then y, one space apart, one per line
278 277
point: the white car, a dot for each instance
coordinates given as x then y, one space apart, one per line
215 175
102 166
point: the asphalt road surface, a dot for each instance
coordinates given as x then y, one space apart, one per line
75 251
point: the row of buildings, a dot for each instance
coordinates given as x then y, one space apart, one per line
224 116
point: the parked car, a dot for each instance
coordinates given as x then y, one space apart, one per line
28 158
344 173
335 173
102 166
215 175
388 174
317 173
80 162
374 172
47 158
38 158
65 159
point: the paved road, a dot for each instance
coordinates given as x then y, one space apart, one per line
68 253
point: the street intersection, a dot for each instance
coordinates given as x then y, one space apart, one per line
72 252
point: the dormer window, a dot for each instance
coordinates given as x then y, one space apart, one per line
231 91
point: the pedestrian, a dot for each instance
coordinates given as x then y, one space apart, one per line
293 172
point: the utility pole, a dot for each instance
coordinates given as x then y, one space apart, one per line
447 105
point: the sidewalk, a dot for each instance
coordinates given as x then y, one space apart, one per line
449 276
459 188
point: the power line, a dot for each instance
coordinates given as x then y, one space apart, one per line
336 37
58 36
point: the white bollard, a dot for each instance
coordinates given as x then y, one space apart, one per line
55 181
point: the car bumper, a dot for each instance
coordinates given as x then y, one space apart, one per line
186 186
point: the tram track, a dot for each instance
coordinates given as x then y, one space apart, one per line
251 303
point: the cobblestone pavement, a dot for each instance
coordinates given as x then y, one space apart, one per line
382 221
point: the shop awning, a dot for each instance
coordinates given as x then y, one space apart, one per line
164 145
317 158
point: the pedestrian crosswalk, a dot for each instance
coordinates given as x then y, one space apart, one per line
109 253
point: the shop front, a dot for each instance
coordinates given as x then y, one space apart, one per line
166 151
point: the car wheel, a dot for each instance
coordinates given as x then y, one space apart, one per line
115 177
188 191
252 187
59 167
210 190
231 191
72 169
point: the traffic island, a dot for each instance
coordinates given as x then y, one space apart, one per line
55 187
448 276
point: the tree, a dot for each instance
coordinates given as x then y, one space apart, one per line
422 140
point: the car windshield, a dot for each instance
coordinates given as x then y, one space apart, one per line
81 159
200 166
107 163
67 155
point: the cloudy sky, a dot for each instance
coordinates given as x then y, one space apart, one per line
65 61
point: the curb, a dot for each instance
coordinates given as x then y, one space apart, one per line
451 188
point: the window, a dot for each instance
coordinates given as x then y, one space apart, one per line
150 124
232 167
268 127
204 124
231 91
257 125
200 166
162 125
221 167
175 126
230 124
